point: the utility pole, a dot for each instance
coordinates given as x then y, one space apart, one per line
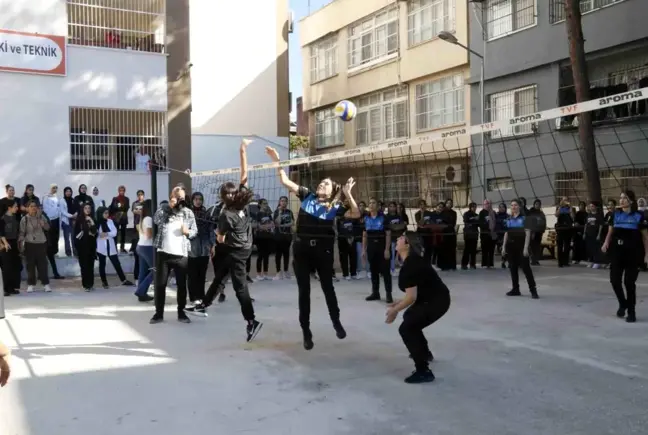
582 87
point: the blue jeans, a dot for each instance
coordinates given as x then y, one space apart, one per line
67 237
145 275
361 266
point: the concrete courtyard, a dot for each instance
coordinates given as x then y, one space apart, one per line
90 363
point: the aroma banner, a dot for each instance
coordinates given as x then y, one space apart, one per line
32 53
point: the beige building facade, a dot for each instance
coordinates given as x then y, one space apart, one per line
385 56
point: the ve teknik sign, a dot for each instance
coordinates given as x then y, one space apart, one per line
32 53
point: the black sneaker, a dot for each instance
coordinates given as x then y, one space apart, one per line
253 329
197 309
146 298
631 317
182 317
156 319
339 330
15 292
308 339
420 377
514 293
373 297
7 294
127 283
105 285
621 312
221 298
534 294
389 298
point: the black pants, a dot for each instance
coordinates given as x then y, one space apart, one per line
86 264
518 261
348 256
11 266
121 233
624 269
535 246
470 251
36 260
317 254
450 251
418 317
487 249
428 247
580 250
164 264
594 253
231 262
264 249
379 265
196 276
53 235
282 251
136 257
114 259
563 245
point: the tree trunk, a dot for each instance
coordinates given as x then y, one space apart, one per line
582 87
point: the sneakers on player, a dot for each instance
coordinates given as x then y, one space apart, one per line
30 289
48 289
198 309
221 298
253 329
420 377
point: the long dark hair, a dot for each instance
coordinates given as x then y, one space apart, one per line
147 207
414 242
337 196
633 199
101 222
235 197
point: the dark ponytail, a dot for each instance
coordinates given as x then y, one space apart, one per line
415 243
632 198
235 197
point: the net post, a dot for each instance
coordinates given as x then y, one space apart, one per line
153 168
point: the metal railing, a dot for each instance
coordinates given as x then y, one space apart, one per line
557 8
116 140
129 25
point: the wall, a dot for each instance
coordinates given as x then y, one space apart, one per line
211 152
240 69
34 138
546 43
413 62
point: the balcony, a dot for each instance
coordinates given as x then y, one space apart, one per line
137 25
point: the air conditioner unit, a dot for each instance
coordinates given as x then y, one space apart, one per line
291 22
455 174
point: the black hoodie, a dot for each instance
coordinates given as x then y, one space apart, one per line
69 201
82 199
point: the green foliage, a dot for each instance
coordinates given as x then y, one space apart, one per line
298 143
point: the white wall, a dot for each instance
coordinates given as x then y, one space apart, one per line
234 78
210 152
34 109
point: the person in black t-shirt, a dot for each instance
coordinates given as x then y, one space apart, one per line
449 245
537 222
564 229
425 220
471 234
284 219
426 299
397 224
314 242
264 239
235 234
580 220
592 235
358 229
347 247
487 234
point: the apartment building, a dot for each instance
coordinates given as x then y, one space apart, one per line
527 69
92 90
386 57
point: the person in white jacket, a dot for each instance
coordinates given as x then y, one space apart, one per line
106 232
53 210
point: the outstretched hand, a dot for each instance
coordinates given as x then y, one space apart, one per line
272 153
346 189
245 142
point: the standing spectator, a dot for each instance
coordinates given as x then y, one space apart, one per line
106 248
346 247
83 198
32 240
145 252
11 264
85 241
53 210
592 235
580 220
6 202
564 227
69 213
136 208
471 234
538 224
264 239
488 234
284 220
500 229
142 159
27 198
450 239
201 245
96 199
176 226
119 207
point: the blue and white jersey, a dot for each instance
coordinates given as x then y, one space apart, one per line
315 218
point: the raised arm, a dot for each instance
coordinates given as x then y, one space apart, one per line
283 177
346 189
244 164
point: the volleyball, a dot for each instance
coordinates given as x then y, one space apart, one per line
346 110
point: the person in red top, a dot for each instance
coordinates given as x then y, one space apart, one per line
119 207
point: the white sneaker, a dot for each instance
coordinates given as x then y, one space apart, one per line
368 275
356 277
260 278
30 289
278 277
347 278
48 289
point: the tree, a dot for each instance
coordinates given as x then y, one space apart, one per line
299 145
582 88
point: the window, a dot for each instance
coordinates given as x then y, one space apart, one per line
557 8
429 17
511 104
323 57
116 140
329 129
382 116
501 183
125 24
373 38
440 103
507 16
399 183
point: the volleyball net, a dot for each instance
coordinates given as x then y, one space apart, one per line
535 155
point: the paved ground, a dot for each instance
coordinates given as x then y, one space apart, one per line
562 365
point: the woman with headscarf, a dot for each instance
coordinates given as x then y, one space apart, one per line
201 245
69 212
106 233
85 243
83 198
